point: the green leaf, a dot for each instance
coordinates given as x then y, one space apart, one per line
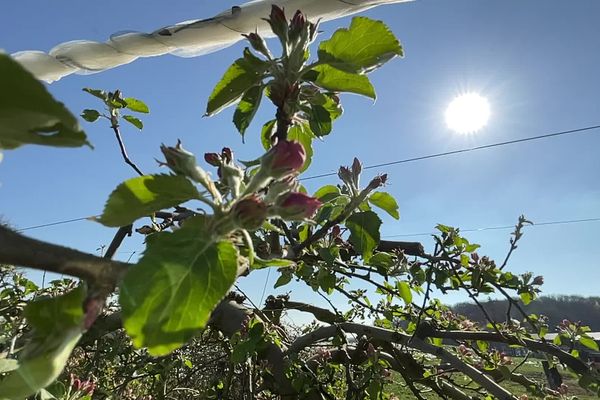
134 121
169 294
589 343
365 45
30 115
386 202
7 365
136 105
382 261
334 79
57 324
303 134
266 133
90 115
247 107
240 76
405 292
284 278
141 196
259 263
526 297
101 94
327 193
364 232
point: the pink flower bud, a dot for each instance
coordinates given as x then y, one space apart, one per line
295 206
378 181
278 22
538 280
249 213
297 25
213 159
227 155
258 44
283 159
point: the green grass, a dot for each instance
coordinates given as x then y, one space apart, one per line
531 368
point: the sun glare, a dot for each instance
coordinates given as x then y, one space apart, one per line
468 113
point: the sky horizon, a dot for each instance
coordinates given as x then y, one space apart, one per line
536 62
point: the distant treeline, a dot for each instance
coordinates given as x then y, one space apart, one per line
556 308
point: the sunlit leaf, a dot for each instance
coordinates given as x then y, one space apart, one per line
386 202
141 196
90 115
334 79
169 294
246 109
366 44
136 105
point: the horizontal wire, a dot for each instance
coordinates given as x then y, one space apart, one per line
492 228
466 150
447 153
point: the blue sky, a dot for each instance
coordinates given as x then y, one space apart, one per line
536 61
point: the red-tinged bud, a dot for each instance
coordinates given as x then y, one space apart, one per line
538 280
278 22
475 257
283 159
258 44
288 184
213 159
297 25
249 213
178 159
296 206
336 231
227 155
345 175
378 181
312 31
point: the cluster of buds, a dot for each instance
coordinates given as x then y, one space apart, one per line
249 213
82 387
228 172
298 32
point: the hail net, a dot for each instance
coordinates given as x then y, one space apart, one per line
185 39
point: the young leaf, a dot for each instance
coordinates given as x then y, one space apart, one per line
134 121
386 202
169 294
266 133
327 193
30 115
141 196
365 45
302 133
247 108
101 94
240 76
334 79
364 232
57 326
90 115
589 342
136 105
405 292
321 116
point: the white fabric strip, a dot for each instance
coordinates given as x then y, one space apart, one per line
185 39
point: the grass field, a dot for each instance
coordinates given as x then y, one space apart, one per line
531 368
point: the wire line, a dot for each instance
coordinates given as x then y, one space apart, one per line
492 228
447 153
466 150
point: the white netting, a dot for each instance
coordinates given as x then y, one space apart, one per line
185 39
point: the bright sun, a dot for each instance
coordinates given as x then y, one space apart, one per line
468 113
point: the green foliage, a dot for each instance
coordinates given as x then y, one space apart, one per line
330 78
57 326
364 232
247 107
186 273
386 202
244 74
362 47
141 196
30 115
134 121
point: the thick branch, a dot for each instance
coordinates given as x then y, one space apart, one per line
20 250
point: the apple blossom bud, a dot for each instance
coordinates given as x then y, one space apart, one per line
258 44
538 280
288 184
283 159
278 22
213 159
249 213
345 175
178 159
378 181
297 25
295 206
227 155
